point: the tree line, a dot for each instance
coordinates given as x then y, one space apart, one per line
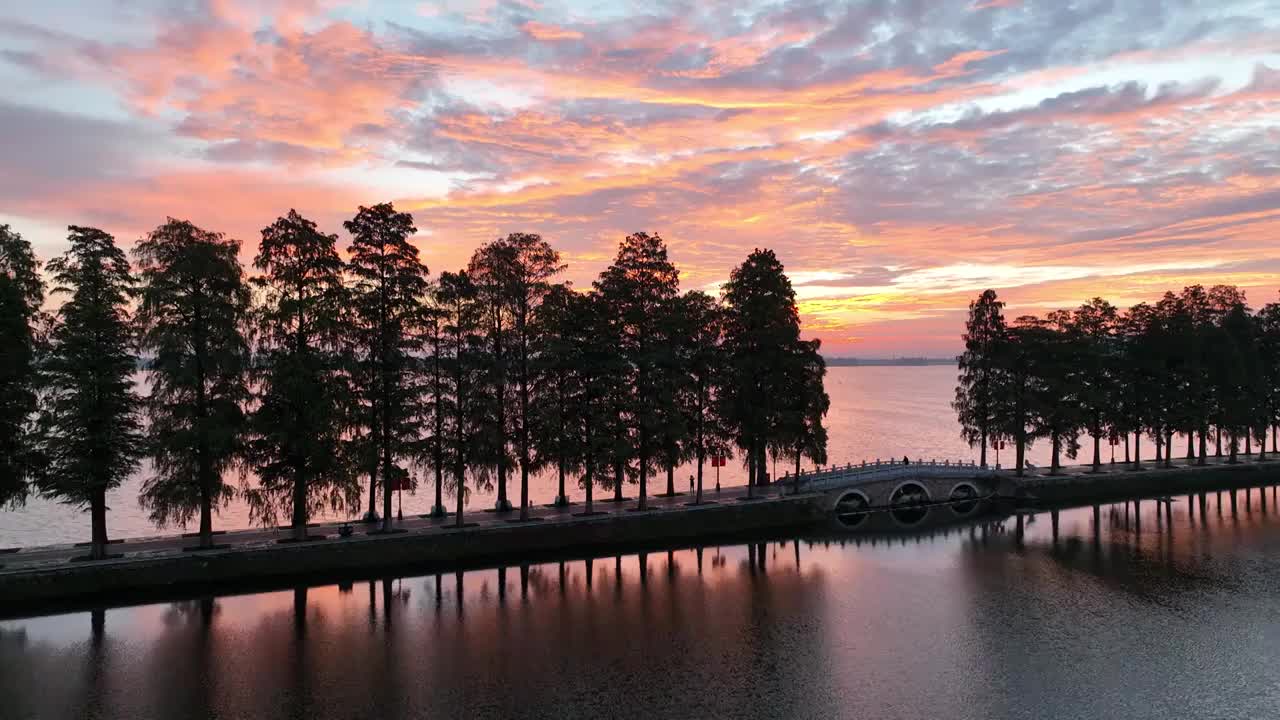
1199 364
325 377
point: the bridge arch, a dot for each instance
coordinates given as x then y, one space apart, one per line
963 498
909 502
853 508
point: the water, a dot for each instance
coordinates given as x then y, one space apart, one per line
1175 620
876 412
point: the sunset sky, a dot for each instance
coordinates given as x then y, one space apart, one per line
898 156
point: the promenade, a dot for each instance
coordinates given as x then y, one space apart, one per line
15 560
36 578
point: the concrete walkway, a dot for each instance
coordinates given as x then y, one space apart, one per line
26 559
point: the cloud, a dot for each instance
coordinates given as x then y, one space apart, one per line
896 153
549 32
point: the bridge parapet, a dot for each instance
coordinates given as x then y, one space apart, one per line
854 475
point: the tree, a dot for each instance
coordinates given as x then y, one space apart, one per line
194 304
598 375
1268 319
1196 339
89 422
1058 412
437 402
467 445
634 289
671 388
21 296
1094 324
513 275
705 363
1237 376
558 372
762 329
803 433
387 292
1016 386
975 402
297 428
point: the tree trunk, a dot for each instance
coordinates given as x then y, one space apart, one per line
797 476
98 525
206 515
438 510
1191 448
388 472
1097 452
561 499
590 482
373 466
299 504
982 453
1203 456
1126 449
1055 458
1020 454
617 480
671 479
644 470
1159 436
1218 442
1137 449
751 467
460 474
524 417
697 498
1233 447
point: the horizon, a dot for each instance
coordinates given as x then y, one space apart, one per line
898 157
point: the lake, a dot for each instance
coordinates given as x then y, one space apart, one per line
876 412
1131 620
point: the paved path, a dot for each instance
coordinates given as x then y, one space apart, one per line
37 557
168 545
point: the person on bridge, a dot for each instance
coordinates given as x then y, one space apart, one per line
905 461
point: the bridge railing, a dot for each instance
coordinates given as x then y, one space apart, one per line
837 476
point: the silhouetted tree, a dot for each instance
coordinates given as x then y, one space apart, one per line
558 372
434 320
806 402
21 297
1016 387
1269 359
975 402
462 356
297 445
671 389
762 329
1094 324
1058 412
706 366
89 422
1237 376
635 289
193 307
514 275
387 292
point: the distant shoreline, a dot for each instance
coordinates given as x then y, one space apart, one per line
888 362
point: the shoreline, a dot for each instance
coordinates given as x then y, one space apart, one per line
1079 490
261 565
67 585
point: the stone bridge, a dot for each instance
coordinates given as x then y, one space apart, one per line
852 491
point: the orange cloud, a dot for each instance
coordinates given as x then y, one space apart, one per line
548 32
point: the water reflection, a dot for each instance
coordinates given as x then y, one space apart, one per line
980 617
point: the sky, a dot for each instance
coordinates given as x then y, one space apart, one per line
899 156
